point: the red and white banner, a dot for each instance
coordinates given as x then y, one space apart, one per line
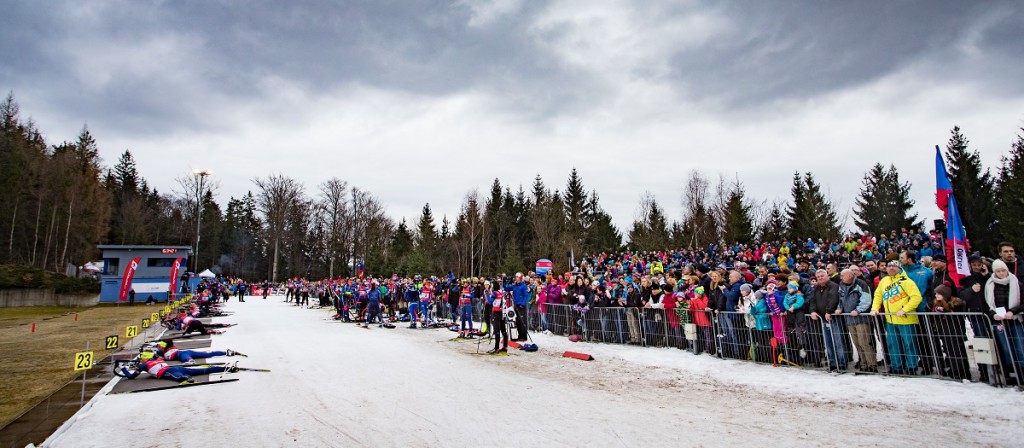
126 279
174 277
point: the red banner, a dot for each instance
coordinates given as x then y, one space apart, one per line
174 278
126 279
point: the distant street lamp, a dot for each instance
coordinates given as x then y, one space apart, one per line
201 176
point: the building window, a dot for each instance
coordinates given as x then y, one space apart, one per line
111 266
160 262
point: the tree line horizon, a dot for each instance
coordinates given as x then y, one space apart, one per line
60 202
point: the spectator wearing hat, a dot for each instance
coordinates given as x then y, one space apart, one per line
727 318
923 278
760 344
1003 296
951 334
941 272
705 277
702 317
854 302
972 293
898 297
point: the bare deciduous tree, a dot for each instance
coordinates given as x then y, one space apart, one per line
278 195
335 212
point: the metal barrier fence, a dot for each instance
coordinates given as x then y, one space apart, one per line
954 346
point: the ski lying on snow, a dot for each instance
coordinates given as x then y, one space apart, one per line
248 369
493 354
477 339
175 386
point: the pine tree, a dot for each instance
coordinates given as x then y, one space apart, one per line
738 226
811 214
797 212
1010 194
401 247
774 228
539 190
426 236
602 235
126 174
869 211
498 224
884 203
446 226
521 210
650 229
974 189
822 217
575 200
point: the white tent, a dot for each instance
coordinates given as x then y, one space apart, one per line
207 274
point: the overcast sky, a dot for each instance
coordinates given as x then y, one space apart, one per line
423 101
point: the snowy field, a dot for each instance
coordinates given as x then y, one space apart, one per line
336 384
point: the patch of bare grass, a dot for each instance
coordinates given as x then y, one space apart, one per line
34 365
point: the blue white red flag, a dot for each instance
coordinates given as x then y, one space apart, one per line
943 189
957 247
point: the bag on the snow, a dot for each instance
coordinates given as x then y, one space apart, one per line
528 347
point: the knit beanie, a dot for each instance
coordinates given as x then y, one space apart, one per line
998 264
745 288
794 285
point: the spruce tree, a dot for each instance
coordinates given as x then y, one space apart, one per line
602 236
426 235
126 174
822 217
575 200
869 207
738 226
974 189
401 247
811 215
796 212
1010 195
650 229
884 203
774 228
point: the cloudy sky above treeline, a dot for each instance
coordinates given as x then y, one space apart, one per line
423 101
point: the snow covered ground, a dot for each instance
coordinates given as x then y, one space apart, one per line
335 384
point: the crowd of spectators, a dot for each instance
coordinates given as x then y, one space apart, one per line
880 300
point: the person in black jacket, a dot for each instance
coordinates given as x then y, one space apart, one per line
950 334
972 293
1014 264
824 302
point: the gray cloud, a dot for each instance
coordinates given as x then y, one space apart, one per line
521 87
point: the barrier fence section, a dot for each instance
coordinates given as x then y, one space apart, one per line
954 346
